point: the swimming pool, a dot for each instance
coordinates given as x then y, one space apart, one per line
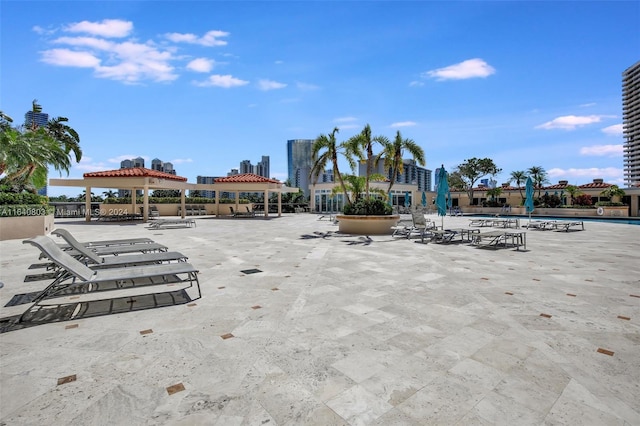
622 220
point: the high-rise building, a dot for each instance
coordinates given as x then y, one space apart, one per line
246 167
38 118
156 164
631 123
207 180
299 163
412 174
262 168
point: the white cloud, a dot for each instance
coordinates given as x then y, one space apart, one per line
616 130
70 58
416 84
225 81
87 165
128 60
587 105
602 150
181 161
581 174
270 85
570 122
471 68
404 124
201 65
105 28
306 86
211 38
344 119
89 42
279 62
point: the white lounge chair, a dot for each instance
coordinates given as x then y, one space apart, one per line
77 276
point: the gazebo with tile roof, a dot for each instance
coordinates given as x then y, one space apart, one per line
250 182
133 179
140 178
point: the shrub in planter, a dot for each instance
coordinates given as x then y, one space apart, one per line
368 207
14 204
583 200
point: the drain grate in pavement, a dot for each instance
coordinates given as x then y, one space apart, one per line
21 299
251 271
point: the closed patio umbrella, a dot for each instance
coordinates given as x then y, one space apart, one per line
406 199
443 193
528 202
424 199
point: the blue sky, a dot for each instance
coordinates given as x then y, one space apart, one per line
207 84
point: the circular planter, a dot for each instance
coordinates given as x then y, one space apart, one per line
367 225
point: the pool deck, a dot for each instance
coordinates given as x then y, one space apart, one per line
342 330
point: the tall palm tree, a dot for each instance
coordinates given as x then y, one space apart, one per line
25 158
324 151
519 177
361 147
27 152
65 135
393 153
539 176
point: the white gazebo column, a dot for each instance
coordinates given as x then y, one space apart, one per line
134 200
145 203
87 204
182 202
279 204
266 203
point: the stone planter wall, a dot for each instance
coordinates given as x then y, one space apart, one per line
22 227
367 225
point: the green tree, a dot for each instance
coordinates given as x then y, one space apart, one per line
357 186
613 192
360 146
573 192
166 193
539 177
393 153
325 151
471 170
494 192
110 194
520 178
28 151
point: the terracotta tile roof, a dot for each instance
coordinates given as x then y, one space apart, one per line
246 178
135 172
595 185
557 186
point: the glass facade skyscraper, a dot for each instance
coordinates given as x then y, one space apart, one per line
299 162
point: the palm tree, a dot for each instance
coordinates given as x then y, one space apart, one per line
110 194
357 184
27 152
393 153
325 151
65 135
573 192
539 177
614 192
520 178
361 147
